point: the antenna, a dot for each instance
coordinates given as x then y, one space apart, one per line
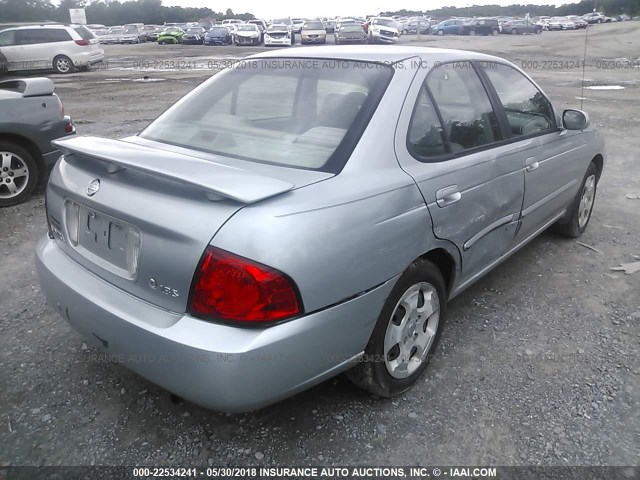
584 62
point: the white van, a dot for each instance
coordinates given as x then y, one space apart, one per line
62 48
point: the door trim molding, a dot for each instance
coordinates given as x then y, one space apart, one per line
548 198
488 229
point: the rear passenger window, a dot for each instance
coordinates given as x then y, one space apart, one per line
468 118
528 110
56 35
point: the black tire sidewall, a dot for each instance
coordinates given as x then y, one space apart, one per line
31 165
420 271
571 228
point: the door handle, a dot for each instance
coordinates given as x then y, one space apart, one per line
448 195
531 164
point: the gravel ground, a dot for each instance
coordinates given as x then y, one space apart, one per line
538 365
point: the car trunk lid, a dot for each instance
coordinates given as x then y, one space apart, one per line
140 217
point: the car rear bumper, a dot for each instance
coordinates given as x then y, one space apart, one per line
218 366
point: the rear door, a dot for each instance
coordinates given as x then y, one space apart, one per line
450 142
552 158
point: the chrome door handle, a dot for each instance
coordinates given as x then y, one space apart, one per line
448 195
531 164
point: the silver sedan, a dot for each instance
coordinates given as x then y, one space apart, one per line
309 213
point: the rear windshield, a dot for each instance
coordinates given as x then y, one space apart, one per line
219 30
314 26
250 27
296 112
352 28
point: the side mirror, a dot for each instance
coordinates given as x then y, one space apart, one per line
575 119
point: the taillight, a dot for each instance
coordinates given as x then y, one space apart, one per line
83 43
229 287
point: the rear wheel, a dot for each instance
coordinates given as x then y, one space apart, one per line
18 174
514 32
472 33
440 32
406 333
581 207
62 64
495 33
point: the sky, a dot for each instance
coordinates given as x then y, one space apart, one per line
269 9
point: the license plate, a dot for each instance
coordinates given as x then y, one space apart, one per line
103 238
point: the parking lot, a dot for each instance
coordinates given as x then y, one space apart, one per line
539 363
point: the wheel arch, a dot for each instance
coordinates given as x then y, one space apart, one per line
28 145
443 259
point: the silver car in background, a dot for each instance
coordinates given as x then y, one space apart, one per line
307 213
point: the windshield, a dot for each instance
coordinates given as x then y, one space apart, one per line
131 29
282 21
386 22
249 28
115 30
219 30
255 112
172 30
194 30
277 28
313 26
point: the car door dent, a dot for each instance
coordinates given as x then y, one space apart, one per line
470 280
488 229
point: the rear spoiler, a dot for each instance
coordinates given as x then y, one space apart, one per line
215 179
29 87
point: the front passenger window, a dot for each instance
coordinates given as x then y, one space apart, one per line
528 110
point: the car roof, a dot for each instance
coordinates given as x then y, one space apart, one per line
377 53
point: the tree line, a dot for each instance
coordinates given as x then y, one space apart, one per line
116 12
109 12
608 7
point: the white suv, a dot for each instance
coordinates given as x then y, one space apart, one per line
383 30
62 48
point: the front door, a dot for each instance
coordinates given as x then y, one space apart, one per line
552 158
450 142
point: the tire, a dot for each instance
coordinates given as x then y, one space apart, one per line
16 163
382 373
405 32
538 31
581 208
495 33
514 32
337 42
599 21
472 33
63 64
441 32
